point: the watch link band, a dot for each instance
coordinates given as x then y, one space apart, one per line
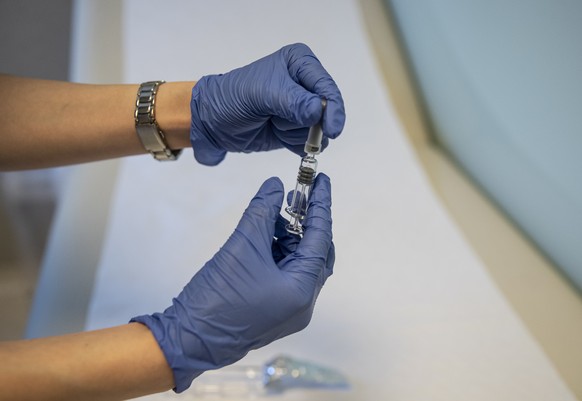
148 130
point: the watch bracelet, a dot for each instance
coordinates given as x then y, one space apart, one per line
147 128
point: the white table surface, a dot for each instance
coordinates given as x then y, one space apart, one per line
410 313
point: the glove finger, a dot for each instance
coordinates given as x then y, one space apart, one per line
305 111
293 136
284 243
284 126
259 218
205 152
300 148
307 71
334 118
297 149
318 219
298 108
329 262
290 199
280 225
301 104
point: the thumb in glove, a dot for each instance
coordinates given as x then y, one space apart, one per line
260 286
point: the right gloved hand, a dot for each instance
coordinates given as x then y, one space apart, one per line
260 286
268 104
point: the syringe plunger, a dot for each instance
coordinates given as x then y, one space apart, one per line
313 143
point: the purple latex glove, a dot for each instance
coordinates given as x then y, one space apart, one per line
266 105
260 286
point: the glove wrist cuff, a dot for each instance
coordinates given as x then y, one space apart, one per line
183 371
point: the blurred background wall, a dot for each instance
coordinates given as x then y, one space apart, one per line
500 84
34 42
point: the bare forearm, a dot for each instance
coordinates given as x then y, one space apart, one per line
111 364
50 123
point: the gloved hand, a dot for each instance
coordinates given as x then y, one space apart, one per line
266 105
260 286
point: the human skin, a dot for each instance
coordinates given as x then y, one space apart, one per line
53 123
110 364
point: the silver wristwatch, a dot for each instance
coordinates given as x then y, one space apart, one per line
148 130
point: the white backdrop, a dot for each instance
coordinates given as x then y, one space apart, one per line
410 314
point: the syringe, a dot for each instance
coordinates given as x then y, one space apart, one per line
297 209
265 381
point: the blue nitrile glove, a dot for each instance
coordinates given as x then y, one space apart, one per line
266 105
260 286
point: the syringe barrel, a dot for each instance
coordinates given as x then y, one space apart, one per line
298 207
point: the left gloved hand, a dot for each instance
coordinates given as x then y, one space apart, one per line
266 105
260 286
